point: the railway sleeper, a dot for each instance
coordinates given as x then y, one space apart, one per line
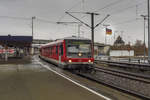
82 68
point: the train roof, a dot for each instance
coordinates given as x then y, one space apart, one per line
66 38
74 38
51 43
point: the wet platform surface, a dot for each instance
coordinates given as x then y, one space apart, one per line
32 81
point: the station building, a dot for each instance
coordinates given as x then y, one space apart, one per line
15 46
36 43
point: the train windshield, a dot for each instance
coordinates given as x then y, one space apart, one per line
74 47
83 48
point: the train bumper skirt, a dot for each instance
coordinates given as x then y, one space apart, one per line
79 63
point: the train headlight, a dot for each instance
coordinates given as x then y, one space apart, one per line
80 54
70 61
90 61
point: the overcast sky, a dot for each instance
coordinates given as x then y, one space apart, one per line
15 18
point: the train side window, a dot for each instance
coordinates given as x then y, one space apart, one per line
53 50
50 50
56 49
61 49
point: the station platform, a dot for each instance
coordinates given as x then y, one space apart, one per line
17 60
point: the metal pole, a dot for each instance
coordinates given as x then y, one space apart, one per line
144 16
32 28
144 38
105 38
6 54
79 26
92 30
148 31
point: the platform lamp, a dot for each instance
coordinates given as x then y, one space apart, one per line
145 18
33 27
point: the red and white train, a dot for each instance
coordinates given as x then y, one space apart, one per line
69 53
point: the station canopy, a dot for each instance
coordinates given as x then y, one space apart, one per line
16 41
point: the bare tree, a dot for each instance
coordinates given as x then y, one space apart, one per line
138 43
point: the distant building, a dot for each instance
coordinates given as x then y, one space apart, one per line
98 48
139 50
101 49
120 49
36 43
123 50
41 41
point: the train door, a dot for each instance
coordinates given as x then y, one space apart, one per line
57 54
60 54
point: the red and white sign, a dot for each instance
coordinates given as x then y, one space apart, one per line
1 51
11 51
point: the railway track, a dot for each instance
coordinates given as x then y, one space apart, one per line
134 76
132 83
140 66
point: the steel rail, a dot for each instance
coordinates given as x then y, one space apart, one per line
125 74
125 64
115 87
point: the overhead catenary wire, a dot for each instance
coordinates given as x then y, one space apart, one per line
124 9
14 17
116 12
127 21
45 21
120 10
63 16
25 18
69 10
109 5
106 6
112 4
127 8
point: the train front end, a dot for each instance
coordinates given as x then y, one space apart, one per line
79 53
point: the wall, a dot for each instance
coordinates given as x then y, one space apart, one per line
121 53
